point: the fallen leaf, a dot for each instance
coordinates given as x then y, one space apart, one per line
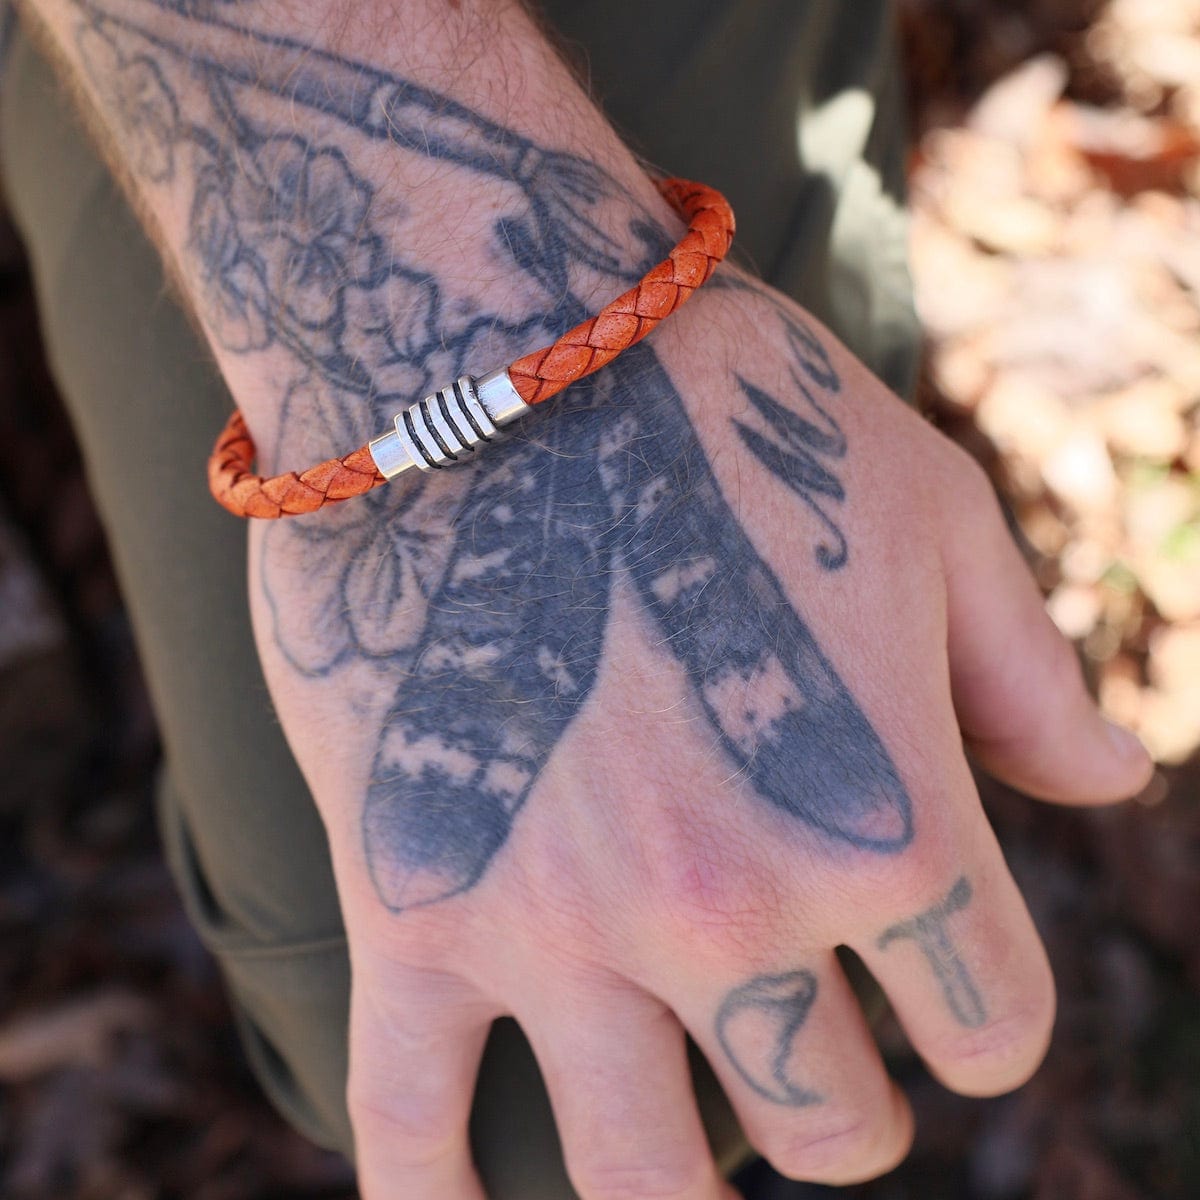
74 1033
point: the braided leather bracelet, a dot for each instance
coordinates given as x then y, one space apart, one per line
446 427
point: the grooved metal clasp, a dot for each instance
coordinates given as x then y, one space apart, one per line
449 425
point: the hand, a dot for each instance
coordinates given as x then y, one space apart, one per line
624 727
674 692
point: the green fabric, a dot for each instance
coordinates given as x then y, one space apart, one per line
791 108
795 110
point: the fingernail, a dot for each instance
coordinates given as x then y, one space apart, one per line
1124 741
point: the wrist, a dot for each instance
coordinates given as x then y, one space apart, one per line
445 427
349 235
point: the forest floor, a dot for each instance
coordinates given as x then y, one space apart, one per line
1055 188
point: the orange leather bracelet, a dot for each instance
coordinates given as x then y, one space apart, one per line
447 426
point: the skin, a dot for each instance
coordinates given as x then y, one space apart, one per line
622 728
930 931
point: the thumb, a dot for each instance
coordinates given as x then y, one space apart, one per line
1025 713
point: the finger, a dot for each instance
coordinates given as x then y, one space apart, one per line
416 1039
967 976
795 1056
1021 700
615 1065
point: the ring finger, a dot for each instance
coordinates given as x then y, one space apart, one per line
794 1054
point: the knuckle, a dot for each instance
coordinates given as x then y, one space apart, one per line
429 941
909 883
1002 1053
843 1147
608 1178
963 493
710 889
555 879
419 1128
1054 674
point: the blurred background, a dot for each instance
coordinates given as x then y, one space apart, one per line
1055 188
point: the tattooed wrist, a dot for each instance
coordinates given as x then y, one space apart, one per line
483 603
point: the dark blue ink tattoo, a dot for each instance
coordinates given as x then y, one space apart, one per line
928 930
757 1026
793 453
488 599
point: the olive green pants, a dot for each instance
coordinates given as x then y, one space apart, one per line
791 107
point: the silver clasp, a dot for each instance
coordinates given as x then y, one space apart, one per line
449 425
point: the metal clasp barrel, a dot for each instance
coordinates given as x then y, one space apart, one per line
448 425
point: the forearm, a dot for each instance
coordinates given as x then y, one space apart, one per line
348 194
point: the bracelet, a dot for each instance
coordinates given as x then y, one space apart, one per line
447 426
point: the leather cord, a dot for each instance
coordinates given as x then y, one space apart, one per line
620 324
535 377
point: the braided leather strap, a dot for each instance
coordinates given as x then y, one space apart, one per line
631 316
534 377
245 494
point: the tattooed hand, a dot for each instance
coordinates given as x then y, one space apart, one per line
624 727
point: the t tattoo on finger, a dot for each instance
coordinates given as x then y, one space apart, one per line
757 1026
484 606
929 930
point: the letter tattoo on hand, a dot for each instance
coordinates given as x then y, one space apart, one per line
757 1026
929 930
